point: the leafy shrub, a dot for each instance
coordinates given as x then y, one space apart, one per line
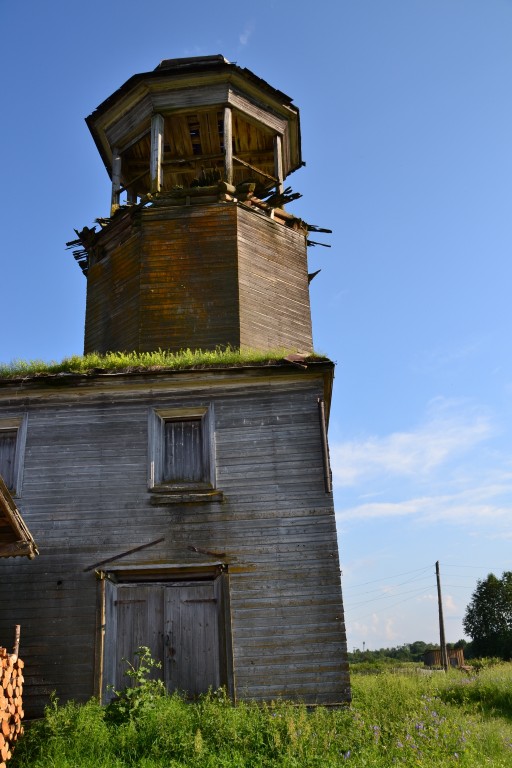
143 694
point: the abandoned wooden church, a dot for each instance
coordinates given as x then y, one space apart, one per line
189 510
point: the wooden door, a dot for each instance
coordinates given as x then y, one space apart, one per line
178 622
191 655
139 609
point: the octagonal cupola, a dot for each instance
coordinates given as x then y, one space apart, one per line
195 121
198 250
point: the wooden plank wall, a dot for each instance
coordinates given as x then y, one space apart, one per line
197 277
170 283
273 278
189 294
112 317
85 499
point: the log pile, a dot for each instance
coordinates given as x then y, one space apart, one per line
11 703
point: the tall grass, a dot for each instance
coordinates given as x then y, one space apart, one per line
432 720
139 361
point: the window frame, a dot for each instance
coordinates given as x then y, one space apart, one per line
17 424
158 417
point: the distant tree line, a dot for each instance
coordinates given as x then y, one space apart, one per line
401 653
487 621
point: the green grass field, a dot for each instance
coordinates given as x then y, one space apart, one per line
395 720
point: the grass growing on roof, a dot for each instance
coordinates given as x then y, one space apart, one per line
139 361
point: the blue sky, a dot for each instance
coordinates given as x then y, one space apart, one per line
406 114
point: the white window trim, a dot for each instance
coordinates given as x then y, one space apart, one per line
156 421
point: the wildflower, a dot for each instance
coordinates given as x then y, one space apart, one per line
346 754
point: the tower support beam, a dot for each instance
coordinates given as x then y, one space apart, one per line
278 162
228 145
116 180
157 153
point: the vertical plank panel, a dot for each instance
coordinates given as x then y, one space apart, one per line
228 145
110 641
192 624
278 162
116 180
7 456
157 152
139 622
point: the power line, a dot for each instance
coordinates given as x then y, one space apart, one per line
386 607
379 589
395 576
477 567
384 597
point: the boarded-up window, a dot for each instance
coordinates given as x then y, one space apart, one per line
184 457
181 449
8 456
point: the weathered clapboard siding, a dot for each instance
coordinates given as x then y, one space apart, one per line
189 278
85 498
183 272
112 305
214 275
274 297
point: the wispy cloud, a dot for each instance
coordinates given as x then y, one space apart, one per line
438 472
442 358
448 431
475 506
376 628
245 36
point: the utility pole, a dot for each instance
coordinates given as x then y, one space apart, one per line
442 638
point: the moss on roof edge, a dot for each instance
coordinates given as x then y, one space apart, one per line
157 362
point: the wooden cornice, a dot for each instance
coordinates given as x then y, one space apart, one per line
15 538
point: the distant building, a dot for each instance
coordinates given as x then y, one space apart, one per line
455 658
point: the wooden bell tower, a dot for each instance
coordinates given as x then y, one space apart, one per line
186 510
198 251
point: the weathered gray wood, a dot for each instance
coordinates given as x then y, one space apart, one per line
228 145
253 168
185 98
325 445
16 549
191 633
129 124
278 162
110 634
157 153
257 111
86 499
8 455
116 180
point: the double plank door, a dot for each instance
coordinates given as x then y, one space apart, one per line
178 621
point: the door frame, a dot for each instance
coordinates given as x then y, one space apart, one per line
164 573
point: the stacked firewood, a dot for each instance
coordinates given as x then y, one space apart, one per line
11 703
